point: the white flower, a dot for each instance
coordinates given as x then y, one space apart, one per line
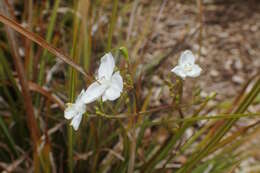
109 85
75 110
186 66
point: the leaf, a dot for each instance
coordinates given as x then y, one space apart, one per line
37 39
8 136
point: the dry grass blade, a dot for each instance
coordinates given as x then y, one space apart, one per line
32 124
47 94
14 25
31 120
53 130
143 118
14 165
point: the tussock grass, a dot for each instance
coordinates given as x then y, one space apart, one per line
127 135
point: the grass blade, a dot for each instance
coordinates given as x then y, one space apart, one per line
37 39
112 25
8 137
48 40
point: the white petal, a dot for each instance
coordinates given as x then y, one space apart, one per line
106 67
111 94
70 111
74 110
94 91
195 72
80 96
76 121
117 81
178 70
115 88
187 58
104 98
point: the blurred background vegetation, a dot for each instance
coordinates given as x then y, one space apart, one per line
50 50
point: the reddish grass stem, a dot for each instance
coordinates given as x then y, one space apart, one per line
31 121
37 39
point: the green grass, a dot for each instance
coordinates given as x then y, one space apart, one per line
126 135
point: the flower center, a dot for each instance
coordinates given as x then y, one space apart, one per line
187 67
104 81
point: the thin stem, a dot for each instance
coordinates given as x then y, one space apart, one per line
37 39
31 120
48 40
72 88
132 153
112 25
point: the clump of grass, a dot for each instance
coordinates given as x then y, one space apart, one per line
126 135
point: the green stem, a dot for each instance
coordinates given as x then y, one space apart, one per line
194 159
112 25
72 89
44 57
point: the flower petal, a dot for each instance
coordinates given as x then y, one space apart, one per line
76 121
70 111
104 98
106 67
178 70
112 93
117 81
187 58
94 91
115 88
195 72
74 109
80 96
